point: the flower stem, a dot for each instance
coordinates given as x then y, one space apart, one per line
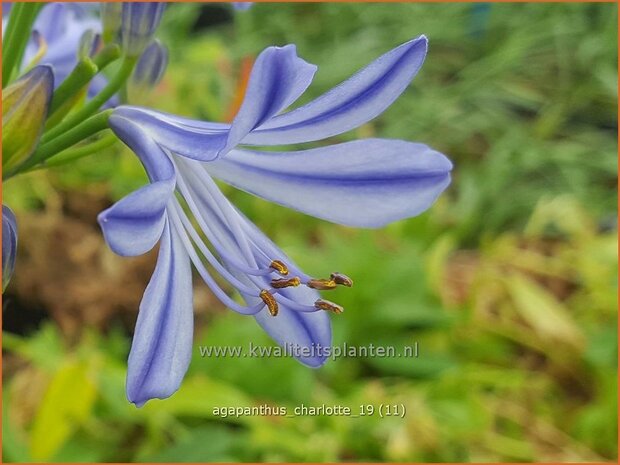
81 75
107 55
9 39
91 126
18 34
84 71
71 154
93 105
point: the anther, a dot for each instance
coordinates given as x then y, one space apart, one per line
270 301
281 283
321 284
279 266
341 279
322 304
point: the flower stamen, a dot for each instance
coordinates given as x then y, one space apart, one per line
270 302
321 284
279 266
341 279
322 304
280 283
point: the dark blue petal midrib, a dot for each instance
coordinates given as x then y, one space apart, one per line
164 319
350 178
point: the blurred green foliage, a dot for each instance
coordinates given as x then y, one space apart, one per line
508 283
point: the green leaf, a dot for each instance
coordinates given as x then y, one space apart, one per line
547 316
66 405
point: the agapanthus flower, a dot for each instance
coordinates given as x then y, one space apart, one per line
9 245
57 33
366 183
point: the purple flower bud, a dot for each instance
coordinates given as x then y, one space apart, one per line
9 245
151 65
139 21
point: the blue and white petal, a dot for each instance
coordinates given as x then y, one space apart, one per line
162 343
278 79
364 183
134 224
350 104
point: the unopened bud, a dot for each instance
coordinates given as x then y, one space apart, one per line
9 245
25 104
139 20
89 44
111 20
151 66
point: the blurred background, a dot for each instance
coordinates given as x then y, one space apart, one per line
508 284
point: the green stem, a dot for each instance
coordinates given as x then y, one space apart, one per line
20 35
107 55
81 75
93 105
9 39
91 126
72 154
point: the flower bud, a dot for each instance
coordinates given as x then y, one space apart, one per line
111 14
139 20
25 104
9 245
88 45
151 66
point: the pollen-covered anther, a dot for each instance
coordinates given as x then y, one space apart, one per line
279 266
321 284
341 279
281 283
270 301
322 304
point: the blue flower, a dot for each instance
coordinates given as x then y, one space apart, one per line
60 27
9 245
367 183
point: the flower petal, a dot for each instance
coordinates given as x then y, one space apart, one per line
278 78
350 104
162 342
134 224
366 183
190 138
